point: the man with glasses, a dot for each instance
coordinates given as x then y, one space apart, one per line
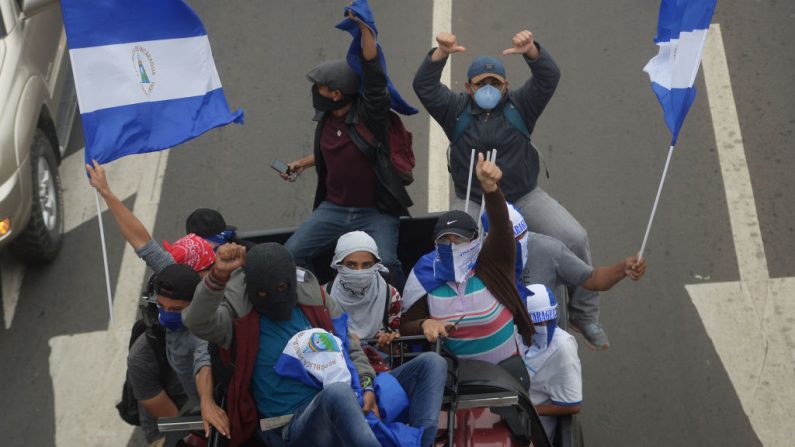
489 116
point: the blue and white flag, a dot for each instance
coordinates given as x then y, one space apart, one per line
144 74
314 357
362 10
681 32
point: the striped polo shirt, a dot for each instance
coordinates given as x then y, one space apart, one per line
486 332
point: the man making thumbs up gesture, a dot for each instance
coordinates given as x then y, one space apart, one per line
490 116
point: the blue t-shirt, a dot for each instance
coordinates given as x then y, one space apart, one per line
276 395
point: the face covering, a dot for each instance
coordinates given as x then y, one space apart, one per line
270 267
521 256
324 104
362 294
169 320
487 97
357 282
454 261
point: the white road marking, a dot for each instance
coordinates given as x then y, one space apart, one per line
12 272
747 320
438 177
88 369
78 209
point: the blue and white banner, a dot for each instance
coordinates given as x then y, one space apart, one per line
145 75
681 33
314 357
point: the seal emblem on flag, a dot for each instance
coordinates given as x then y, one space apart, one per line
145 68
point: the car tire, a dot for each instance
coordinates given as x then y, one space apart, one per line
41 240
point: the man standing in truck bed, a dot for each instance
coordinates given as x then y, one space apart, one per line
489 116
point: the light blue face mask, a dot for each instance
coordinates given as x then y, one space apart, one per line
487 97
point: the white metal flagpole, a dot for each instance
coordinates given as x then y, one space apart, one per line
492 157
656 201
104 255
469 177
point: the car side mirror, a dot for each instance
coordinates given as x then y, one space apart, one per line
33 7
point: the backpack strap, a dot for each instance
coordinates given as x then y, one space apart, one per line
156 337
461 123
515 118
386 305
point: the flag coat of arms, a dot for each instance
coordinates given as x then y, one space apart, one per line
144 74
681 33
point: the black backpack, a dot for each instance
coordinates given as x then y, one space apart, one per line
156 337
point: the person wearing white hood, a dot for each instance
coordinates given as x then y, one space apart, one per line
373 306
552 361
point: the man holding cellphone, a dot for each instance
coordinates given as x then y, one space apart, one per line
351 194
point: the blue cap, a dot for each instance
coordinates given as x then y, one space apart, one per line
485 66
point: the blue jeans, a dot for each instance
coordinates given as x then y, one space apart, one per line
334 417
329 221
423 380
547 216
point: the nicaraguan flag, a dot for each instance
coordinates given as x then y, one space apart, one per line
421 281
681 32
314 357
144 73
362 10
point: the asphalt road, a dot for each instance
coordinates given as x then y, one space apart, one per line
604 140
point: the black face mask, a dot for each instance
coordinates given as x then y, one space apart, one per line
324 104
271 281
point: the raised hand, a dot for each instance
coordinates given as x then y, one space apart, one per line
635 268
448 43
523 43
489 174
229 257
96 176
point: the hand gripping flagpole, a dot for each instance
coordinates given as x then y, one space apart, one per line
469 184
656 201
104 255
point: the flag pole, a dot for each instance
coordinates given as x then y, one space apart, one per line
656 201
469 177
492 157
104 255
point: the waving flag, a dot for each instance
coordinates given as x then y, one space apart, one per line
681 32
144 73
362 10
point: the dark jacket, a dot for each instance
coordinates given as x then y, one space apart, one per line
371 107
488 130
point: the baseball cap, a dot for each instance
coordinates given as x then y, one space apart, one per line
336 75
206 223
455 222
485 66
177 281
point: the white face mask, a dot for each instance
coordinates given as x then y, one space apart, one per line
357 282
540 337
454 261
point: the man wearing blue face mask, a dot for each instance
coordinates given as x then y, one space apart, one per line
163 393
489 116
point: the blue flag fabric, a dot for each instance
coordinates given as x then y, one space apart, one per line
311 357
362 10
681 33
144 75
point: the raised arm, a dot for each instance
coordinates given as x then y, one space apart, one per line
131 228
498 249
605 277
532 97
209 316
440 102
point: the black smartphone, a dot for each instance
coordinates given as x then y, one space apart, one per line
280 167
